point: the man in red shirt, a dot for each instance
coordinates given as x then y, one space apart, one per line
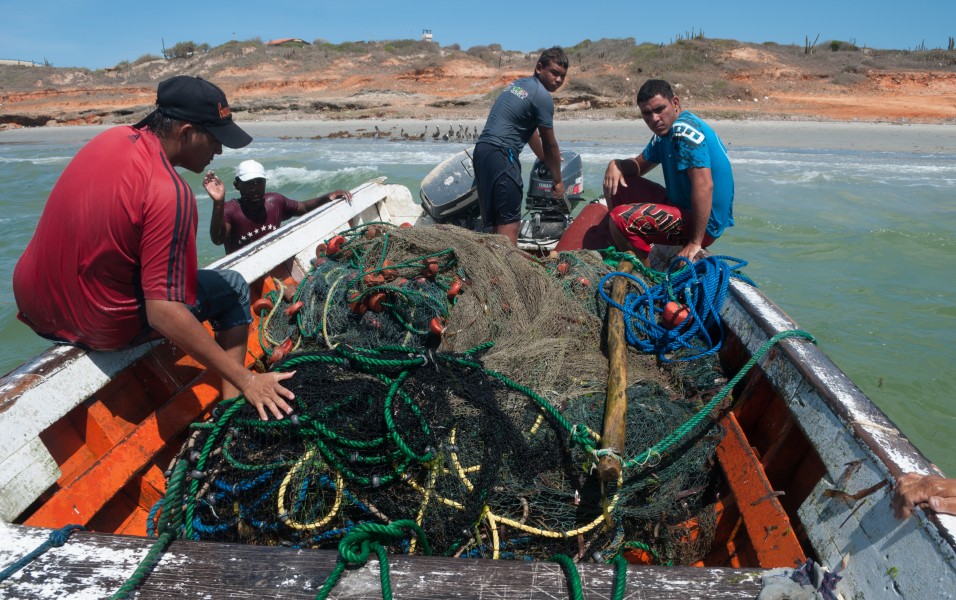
113 258
238 223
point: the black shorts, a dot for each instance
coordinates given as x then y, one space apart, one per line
500 186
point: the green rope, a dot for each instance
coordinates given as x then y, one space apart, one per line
571 574
169 524
613 258
620 577
666 443
357 545
573 577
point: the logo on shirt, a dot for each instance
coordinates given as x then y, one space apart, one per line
519 92
254 235
687 132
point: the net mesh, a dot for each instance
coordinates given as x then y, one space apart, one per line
449 378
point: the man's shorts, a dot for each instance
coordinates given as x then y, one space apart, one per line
222 298
500 187
653 223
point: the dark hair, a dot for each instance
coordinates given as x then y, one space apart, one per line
158 123
554 54
654 87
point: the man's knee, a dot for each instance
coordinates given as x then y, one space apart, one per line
222 298
639 190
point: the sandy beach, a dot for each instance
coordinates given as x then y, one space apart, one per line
872 137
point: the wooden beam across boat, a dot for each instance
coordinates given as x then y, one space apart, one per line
92 565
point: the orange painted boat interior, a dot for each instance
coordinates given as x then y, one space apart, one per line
114 448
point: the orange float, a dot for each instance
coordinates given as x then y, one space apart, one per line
262 304
294 309
674 315
373 279
387 271
279 352
431 267
375 302
454 288
335 244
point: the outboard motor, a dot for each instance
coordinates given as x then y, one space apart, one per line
547 218
449 195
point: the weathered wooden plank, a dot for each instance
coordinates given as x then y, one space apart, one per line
96 565
766 522
38 393
24 475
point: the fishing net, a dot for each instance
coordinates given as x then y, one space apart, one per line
448 378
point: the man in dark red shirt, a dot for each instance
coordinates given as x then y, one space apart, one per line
113 258
256 213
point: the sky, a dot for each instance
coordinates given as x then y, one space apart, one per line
101 33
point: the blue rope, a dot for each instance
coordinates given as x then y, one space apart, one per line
151 519
701 287
57 538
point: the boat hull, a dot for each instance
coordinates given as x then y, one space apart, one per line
88 437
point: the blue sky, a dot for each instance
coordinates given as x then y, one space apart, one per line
101 33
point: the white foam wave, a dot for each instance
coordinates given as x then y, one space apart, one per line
283 176
47 160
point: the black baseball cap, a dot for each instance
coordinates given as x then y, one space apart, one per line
197 101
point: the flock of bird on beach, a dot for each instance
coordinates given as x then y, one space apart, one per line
462 134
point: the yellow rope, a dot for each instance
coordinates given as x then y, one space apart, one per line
566 534
266 321
494 519
426 498
287 518
325 314
537 424
462 472
495 542
446 501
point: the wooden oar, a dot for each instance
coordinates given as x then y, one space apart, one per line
612 436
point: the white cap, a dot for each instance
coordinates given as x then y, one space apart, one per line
249 170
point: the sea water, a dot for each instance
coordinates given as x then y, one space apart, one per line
857 247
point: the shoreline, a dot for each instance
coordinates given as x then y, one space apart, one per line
916 138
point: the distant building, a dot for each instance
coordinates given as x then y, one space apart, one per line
288 42
426 35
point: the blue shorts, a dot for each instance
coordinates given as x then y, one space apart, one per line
222 298
500 187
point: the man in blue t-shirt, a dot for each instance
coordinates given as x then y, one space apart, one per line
522 114
697 203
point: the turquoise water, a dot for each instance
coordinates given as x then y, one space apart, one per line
857 247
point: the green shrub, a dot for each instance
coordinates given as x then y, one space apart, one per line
837 45
146 58
182 50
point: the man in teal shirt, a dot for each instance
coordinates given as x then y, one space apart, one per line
696 204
